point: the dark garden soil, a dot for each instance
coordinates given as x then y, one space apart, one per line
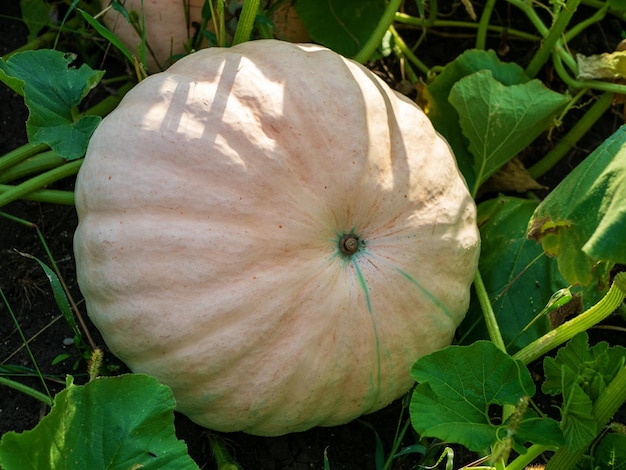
27 290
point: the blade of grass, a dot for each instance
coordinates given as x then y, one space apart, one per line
59 294
29 351
25 389
74 307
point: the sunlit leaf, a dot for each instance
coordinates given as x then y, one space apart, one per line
445 117
501 120
583 220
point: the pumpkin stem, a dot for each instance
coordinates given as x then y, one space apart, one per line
349 244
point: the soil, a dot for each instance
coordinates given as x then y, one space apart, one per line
27 291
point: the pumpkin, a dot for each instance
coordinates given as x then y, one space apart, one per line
168 29
274 233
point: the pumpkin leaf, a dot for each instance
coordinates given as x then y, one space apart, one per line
111 422
52 90
583 220
36 16
581 374
488 111
606 66
444 116
518 277
501 120
458 385
611 452
343 26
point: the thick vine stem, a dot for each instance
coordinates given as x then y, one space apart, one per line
39 181
554 35
246 21
607 305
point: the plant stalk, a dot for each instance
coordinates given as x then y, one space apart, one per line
39 182
377 35
607 305
52 196
483 24
488 313
555 33
577 131
246 21
42 397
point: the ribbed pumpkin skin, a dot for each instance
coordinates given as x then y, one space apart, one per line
212 203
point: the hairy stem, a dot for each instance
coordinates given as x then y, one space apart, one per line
607 305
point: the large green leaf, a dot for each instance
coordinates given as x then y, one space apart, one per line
457 387
445 117
488 110
501 120
52 90
341 25
583 220
518 277
122 422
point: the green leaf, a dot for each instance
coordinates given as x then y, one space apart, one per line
119 422
341 25
581 374
592 368
36 16
52 91
445 117
538 430
456 387
583 220
577 422
518 277
501 120
488 111
610 454
605 66
619 5
107 34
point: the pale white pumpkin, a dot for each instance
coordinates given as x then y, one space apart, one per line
274 233
168 26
